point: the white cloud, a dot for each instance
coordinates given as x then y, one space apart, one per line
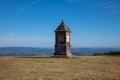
96 42
71 1
27 6
30 41
26 41
110 6
10 34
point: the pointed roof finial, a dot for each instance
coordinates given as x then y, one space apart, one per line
63 27
62 21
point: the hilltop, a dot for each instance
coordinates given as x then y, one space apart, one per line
76 68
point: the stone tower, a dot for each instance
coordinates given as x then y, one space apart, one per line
62 41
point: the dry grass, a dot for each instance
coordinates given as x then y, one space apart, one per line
78 68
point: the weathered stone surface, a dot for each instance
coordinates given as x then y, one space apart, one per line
62 40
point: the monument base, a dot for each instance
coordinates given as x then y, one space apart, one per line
62 56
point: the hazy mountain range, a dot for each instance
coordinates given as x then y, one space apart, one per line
31 51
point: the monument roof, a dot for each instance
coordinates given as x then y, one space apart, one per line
63 27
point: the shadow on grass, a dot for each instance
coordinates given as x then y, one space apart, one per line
67 57
32 57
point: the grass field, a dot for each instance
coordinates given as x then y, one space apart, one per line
77 68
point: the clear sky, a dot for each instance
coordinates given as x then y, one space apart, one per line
31 23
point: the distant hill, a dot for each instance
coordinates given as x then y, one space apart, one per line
24 51
108 53
32 51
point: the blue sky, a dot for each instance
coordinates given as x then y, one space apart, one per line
31 23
